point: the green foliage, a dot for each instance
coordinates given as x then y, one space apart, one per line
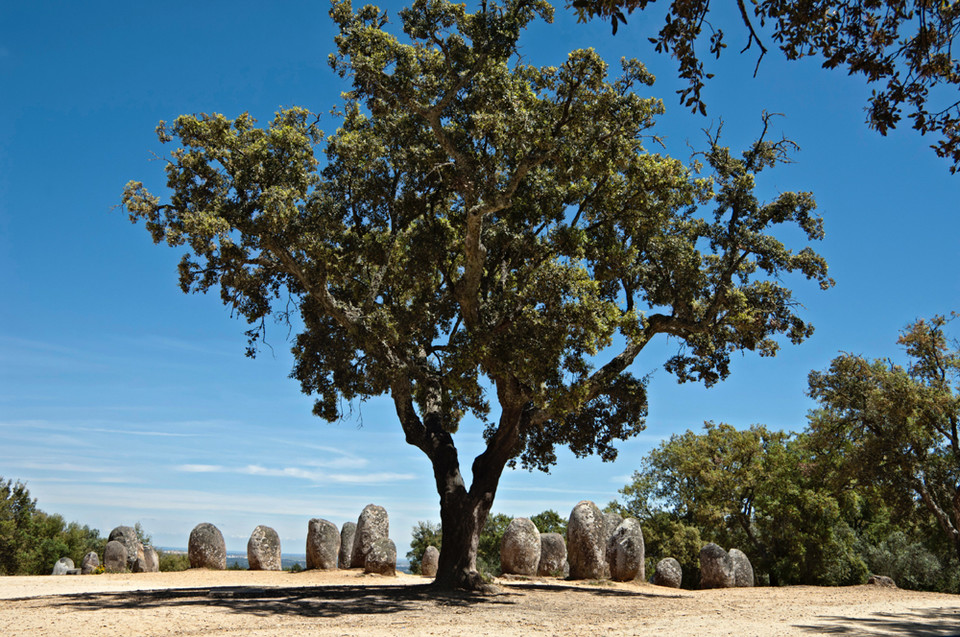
173 562
32 541
235 566
476 222
296 568
549 521
910 564
897 427
488 551
424 534
906 44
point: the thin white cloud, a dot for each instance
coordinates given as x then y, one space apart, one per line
62 466
300 473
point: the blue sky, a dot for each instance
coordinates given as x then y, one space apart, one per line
123 400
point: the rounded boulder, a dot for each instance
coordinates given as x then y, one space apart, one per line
553 556
63 566
127 536
90 563
372 525
323 544
717 569
263 550
625 552
206 548
668 573
520 548
381 558
585 542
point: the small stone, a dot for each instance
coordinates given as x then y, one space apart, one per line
668 573
372 525
263 550
881 580
63 565
206 548
115 557
323 544
381 558
717 569
430 561
553 555
742 569
625 552
586 542
347 533
90 563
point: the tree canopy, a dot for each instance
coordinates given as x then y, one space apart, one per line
898 426
905 47
481 229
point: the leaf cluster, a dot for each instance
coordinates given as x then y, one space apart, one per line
904 46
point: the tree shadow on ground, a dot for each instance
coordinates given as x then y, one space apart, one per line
921 622
316 601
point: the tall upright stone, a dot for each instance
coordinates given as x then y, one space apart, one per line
115 557
553 556
206 548
263 550
742 569
430 561
585 542
151 561
323 544
127 536
372 525
520 548
625 552
347 533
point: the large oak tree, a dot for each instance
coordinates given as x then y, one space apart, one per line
481 230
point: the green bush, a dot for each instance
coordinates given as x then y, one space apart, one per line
173 562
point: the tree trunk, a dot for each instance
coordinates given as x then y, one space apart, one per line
461 519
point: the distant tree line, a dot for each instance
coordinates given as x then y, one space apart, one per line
872 485
31 541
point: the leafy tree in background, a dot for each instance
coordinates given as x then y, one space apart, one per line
481 229
898 426
904 45
550 521
32 541
424 534
749 489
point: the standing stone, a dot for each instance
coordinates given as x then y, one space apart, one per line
127 536
90 563
717 569
115 557
263 550
742 569
381 558
625 552
430 562
347 533
372 525
585 542
520 548
553 555
63 565
668 573
151 561
323 544
206 548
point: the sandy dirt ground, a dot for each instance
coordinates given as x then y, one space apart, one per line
241 603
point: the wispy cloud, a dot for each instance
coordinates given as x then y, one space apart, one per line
300 473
